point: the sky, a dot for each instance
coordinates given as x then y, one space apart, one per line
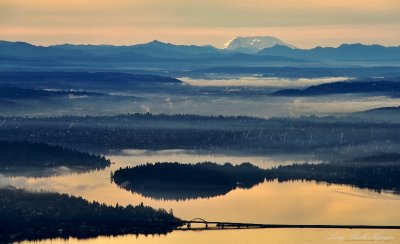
303 23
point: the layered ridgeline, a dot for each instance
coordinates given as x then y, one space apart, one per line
42 159
239 51
186 181
39 215
356 52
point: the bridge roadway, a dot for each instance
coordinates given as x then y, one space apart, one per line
202 224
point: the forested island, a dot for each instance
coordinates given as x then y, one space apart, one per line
19 155
186 181
39 215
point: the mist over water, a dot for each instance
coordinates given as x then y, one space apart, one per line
271 82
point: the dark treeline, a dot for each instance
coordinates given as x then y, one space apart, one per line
34 216
28 154
96 77
184 181
173 175
136 121
140 116
96 81
381 159
376 177
14 92
385 87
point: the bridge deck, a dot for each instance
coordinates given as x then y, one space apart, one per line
215 225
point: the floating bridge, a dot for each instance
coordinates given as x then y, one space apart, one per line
202 224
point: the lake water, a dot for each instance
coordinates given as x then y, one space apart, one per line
269 202
262 236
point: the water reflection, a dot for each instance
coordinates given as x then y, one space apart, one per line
97 185
270 202
260 236
178 194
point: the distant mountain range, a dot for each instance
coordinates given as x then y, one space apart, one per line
345 52
241 51
154 49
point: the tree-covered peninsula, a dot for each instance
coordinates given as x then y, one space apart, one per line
23 156
37 215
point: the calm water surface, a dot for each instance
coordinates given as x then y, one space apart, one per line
270 202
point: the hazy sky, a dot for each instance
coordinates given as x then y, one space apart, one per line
303 23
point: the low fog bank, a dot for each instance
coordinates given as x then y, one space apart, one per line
103 93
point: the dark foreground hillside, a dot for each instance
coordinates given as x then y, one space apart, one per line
32 216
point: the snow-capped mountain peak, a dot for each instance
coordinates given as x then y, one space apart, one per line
253 44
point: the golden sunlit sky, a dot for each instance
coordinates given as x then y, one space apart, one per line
303 23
